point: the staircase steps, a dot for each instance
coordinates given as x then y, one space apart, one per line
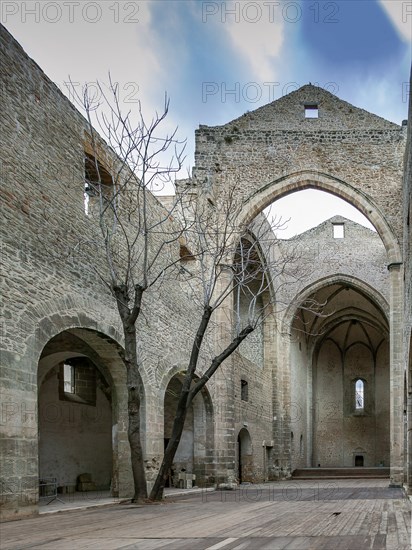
341 473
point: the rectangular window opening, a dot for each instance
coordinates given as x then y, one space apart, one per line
244 390
78 381
68 378
98 181
338 231
359 395
311 111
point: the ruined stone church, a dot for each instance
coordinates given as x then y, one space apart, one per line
331 391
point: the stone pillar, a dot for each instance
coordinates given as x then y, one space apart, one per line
19 482
224 404
396 375
409 419
270 361
281 406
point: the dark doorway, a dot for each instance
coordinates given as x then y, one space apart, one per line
358 460
169 482
244 456
239 462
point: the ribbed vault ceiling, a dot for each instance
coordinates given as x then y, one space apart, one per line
345 315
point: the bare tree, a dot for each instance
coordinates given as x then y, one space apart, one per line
231 265
235 266
136 237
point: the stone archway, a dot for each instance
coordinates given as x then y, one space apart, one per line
193 462
349 344
75 417
98 327
97 330
290 183
81 428
308 179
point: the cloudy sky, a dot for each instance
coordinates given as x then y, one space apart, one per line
217 60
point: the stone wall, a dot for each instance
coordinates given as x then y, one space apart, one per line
346 151
262 149
348 280
364 433
317 255
51 290
407 243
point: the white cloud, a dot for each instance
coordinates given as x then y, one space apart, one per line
400 13
256 31
390 88
120 42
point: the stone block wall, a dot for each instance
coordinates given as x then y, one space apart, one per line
407 244
49 289
262 149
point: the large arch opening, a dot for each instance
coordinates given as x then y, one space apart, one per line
308 179
341 378
304 209
389 283
82 419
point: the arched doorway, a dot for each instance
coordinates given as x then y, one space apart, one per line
80 396
244 456
193 462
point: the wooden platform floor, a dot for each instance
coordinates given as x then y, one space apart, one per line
340 514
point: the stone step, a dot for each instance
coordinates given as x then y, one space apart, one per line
334 473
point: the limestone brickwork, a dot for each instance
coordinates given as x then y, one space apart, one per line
55 309
48 295
407 243
346 151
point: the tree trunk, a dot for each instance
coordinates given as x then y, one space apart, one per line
134 435
181 410
178 425
136 452
129 318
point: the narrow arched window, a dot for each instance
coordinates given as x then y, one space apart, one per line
244 390
359 394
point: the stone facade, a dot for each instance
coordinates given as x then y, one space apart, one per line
407 244
266 411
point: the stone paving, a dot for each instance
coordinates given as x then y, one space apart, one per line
94 499
340 514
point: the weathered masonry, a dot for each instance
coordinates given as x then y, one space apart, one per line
303 391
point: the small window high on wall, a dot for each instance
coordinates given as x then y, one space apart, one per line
96 180
244 390
77 381
359 395
311 111
338 231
